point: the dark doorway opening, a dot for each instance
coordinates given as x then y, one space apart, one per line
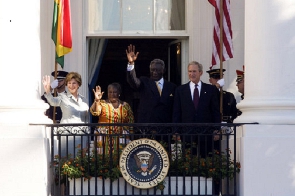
114 64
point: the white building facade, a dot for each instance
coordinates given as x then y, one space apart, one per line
264 41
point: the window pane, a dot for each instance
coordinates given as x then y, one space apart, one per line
169 15
137 15
104 15
162 14
177 20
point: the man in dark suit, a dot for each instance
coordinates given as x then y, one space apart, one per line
229 103
207 109
156 94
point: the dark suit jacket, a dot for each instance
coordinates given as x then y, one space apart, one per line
49 111
152 108
208 110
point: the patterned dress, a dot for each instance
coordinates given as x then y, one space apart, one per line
113 138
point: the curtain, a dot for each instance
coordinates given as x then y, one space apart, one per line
178 15
94 19
96 51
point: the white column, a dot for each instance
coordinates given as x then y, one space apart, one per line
24 165
269 62
267 149
20 63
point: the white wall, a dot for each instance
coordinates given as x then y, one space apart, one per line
200 30
267 160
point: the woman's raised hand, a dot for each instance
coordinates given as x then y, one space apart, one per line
97 93
131 55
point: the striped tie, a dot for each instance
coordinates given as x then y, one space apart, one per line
159 88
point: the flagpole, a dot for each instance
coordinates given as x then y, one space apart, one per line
221 55
61 35
55 76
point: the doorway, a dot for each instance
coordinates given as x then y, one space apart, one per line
114 64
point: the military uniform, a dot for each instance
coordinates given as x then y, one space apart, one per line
240 77
49 111
229 103
229 109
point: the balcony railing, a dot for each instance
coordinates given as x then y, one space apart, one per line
87 158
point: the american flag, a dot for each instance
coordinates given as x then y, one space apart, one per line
227 32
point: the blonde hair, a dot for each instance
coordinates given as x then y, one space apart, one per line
74 75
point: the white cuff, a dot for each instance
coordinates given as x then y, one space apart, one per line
130 67
221 82
54 84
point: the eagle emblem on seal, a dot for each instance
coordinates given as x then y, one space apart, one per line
144 161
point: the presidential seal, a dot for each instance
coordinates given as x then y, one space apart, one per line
144 163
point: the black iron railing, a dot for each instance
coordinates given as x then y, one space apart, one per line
86 158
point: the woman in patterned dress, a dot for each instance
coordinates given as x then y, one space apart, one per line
111 110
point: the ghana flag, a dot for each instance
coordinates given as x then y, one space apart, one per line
61 29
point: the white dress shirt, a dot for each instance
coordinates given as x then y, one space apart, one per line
161 83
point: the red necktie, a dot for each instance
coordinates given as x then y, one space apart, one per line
196 96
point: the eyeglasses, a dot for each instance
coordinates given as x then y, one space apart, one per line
60 80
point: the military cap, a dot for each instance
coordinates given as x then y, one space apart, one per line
240 75
215 73
60 74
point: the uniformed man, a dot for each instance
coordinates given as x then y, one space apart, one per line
59 84
240 82
229 109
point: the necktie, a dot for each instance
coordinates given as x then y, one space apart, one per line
159 88
196 96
